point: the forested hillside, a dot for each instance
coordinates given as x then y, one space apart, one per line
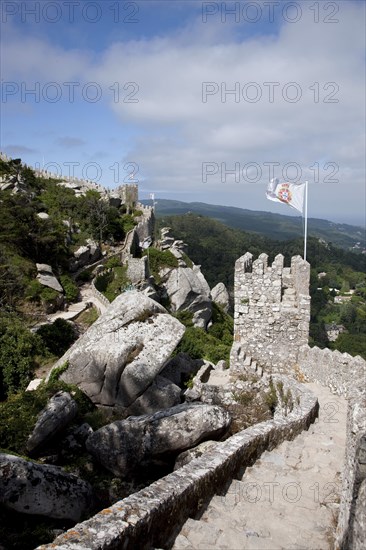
268 224
42 222
216 247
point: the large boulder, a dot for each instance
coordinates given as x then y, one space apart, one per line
123 445
58 413
43 490
187 289
220 295
46 277
162 394
85 255
122 353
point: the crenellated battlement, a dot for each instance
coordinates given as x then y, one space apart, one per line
271 310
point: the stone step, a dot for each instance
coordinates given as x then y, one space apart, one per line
199 534
247 361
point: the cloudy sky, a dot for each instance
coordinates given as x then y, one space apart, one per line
197 101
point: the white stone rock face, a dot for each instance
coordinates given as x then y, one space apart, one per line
162 394
123 445
122 353
220 296
40 489
188 290
47 278
58 413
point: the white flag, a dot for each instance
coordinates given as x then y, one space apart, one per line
288 193
152 196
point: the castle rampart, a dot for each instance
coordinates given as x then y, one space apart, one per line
272 311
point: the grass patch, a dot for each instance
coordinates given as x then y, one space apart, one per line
159 259
88 317
116 283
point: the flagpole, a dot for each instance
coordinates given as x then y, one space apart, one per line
306 219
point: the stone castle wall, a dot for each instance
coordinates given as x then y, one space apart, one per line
128 193
271 324
345 375
146 226
271 311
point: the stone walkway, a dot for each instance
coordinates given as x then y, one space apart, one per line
287 500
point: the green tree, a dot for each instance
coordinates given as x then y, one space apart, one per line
18 349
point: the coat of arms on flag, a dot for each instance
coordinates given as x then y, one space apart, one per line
284 193
288 193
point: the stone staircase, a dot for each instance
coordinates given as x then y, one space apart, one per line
248 364
287 500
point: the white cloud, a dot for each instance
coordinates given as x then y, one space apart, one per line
177 132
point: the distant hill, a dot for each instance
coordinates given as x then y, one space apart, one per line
275 226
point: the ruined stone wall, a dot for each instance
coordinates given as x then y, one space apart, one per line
340 372
271 311
128 193
345 375
146 226
138 269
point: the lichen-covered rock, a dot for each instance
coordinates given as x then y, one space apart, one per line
47 278
57 414
123 445
87 254
220 295
162 394
196 452
187 289
121 354
42 490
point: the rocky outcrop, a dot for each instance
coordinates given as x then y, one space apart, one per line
122 353
180 368
86 255
43 490
220 296
58 413
47 278
162 394
123 445
187 289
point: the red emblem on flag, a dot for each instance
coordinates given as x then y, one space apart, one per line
284 193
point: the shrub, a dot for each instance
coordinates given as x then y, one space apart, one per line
18 350
70 287
34 290
19 413
200 345
49 295
113 262
271 398
58 337
159 259
113 283
85 276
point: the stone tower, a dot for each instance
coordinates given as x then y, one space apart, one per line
272 311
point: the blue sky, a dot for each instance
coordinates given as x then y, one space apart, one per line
199 101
